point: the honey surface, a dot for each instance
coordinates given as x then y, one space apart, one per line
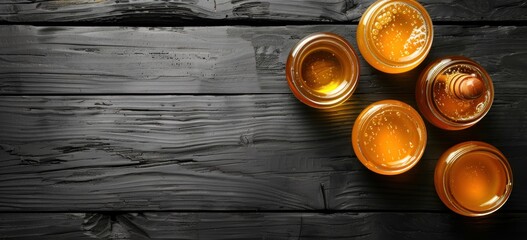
390 138
322 71
398 32
477 181
454 108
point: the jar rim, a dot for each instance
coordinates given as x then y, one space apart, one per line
367 23
428 78
454 153
307 45
376 108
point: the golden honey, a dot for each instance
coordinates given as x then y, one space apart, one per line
322 70
389 137
473 178
395 36
454 92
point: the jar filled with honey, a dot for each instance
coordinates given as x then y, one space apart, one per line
322 70
454 93
473 178
389 137
395 36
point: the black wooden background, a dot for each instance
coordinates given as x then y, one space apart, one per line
145 119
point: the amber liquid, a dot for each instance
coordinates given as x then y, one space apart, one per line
398 32
477 181
454 108
323 72
389 139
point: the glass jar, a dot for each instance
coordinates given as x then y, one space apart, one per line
395 36
454 93
389 137
322 70
473 178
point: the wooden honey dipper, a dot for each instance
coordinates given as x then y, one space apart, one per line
463 86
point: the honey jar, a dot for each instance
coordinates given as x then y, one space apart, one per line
395 36
322 70
389 137
473 178
454 92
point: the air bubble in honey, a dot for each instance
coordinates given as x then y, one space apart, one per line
396 132
454 93
400 36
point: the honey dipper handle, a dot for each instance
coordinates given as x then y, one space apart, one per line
463 86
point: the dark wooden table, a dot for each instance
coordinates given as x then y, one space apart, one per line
173 120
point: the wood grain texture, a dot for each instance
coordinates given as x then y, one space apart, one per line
217 60
173 12
52 226
116 121
244 152
276 226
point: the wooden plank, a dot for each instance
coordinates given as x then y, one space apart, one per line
212 60
161 225
147 11
52 226
239 152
